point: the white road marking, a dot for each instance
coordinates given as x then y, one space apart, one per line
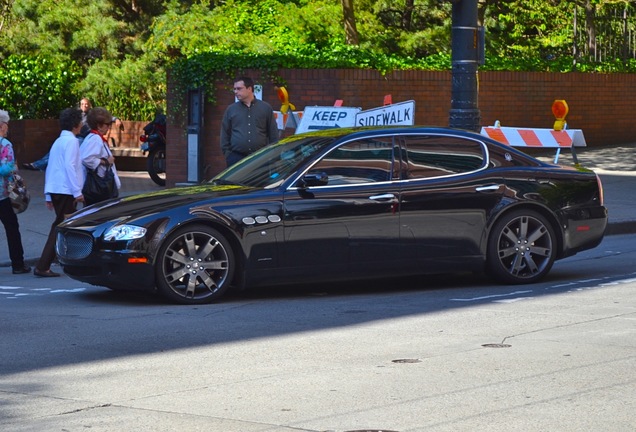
580 285
490 296
74 290
33 292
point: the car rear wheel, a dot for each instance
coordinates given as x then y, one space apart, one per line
195 265
521 248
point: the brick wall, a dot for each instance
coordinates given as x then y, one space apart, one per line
602 105
32 139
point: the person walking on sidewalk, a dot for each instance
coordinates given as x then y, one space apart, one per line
63 183
7 215
94 151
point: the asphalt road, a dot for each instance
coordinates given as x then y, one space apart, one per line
441 353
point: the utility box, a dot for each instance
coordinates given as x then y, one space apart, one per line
195 132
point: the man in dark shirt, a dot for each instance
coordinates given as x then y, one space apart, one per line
248 124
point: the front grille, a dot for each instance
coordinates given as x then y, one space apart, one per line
72 245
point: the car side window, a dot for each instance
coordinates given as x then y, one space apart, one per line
427 156
358 162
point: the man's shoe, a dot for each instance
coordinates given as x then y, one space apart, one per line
23 270
47 273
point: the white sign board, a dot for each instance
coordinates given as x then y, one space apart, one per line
317 118
402 113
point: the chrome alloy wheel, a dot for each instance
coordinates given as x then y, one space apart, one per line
196 265
521 248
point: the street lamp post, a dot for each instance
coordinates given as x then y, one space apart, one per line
465 36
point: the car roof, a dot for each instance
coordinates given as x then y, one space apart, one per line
392 129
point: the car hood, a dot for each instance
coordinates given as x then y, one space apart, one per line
139 206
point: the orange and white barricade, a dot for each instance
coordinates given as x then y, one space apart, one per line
288 120
537 138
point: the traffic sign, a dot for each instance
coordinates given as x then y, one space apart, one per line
320 117
402 113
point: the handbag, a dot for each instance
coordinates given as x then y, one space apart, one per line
18 193
98 188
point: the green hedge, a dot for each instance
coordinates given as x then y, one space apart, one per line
37 87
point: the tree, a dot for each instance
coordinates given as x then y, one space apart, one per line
104 37
123 47
414 28
36 86
351 32
5 9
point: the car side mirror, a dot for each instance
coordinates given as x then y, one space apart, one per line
314 179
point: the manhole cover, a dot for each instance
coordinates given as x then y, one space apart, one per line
496 345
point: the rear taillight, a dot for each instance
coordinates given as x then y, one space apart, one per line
143 138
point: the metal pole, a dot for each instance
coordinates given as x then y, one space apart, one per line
464 113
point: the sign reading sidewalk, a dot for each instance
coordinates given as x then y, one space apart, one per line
402 113
319 117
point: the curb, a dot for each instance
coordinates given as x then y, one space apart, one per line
616 228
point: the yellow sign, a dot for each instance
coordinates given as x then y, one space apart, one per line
284 98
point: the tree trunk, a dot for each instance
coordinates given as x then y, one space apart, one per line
591 29
407 17
351 32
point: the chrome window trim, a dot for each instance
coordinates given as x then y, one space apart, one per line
400 144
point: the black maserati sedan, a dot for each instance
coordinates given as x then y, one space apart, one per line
342 204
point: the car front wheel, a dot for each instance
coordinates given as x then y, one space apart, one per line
195 265
521 248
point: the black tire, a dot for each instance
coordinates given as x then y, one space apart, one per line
195 265
521 248
156 165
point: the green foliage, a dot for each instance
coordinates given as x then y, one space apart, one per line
132 89
119 50
202 70
104 38
81 31
524 33
393 26
262 27
36 86
217 43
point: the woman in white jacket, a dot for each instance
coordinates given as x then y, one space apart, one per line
94 150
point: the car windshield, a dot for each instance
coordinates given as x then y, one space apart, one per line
271 165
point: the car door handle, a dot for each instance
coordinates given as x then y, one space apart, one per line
489 188
383 197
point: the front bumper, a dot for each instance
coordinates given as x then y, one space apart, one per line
119 267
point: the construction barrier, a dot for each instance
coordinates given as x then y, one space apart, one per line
537 138
531 137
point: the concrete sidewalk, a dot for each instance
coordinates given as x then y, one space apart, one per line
616 165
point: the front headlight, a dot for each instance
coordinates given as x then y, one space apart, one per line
124 232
